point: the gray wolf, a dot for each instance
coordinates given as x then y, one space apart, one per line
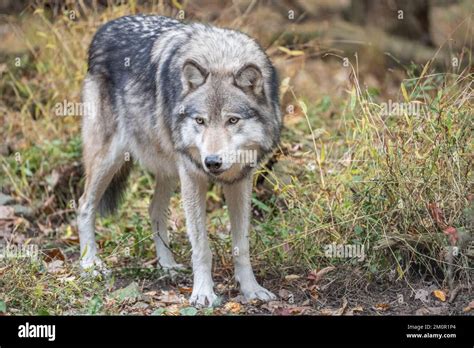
180 99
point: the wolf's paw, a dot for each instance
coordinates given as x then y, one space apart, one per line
204 297
94 268
257 292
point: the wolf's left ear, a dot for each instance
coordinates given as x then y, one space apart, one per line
194 75
250 80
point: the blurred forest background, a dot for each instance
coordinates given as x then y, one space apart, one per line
347 172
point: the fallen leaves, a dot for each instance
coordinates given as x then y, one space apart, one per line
292 277
316 276
469 307
185 290
3 269
233 307
282 308
438 217
170 297
452 234
440 295
354 310
381 307
53 254
336 312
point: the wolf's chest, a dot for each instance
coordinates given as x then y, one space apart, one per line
155 154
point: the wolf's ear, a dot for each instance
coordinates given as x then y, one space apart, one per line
194 75
250 80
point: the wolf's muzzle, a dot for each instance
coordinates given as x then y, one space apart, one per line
213 163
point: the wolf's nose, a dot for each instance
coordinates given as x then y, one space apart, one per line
213 162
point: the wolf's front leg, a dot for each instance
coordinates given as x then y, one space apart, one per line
193 192
238 198
159 221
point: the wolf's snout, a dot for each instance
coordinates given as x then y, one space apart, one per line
213 163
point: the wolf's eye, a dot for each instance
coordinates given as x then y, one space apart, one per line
199 120
233 120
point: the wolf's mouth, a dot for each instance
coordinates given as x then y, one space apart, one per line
216 172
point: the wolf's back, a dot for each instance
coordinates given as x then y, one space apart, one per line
124 45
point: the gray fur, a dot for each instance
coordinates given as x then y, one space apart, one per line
173 95
114 193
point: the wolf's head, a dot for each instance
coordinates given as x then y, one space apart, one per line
227 117
227 120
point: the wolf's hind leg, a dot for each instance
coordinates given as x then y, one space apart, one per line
159 221
102 167
103 157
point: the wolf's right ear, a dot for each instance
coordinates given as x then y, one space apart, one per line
194 75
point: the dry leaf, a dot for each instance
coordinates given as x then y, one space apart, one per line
150 293
295 310
316 276
440 295
436 214
452 234
355 309
272 306
169 297
233 307
469 307
3 269
382 307
53 254
341 310
172 310
185 290
291 277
